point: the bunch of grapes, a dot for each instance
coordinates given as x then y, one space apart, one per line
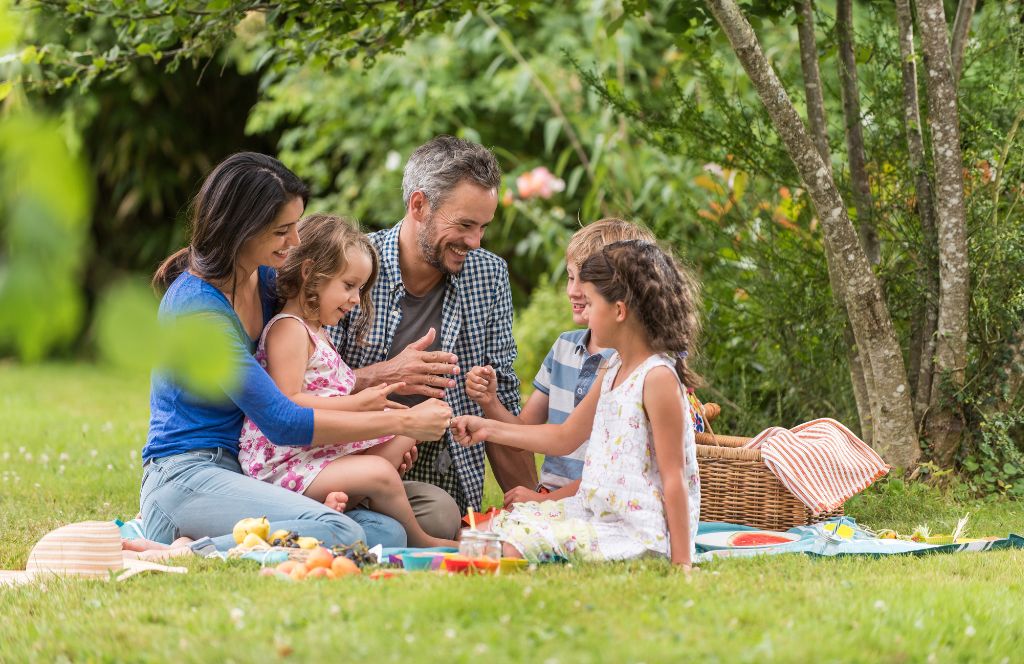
291 540
356 552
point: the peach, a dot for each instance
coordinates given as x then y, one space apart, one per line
299 572
319 557
320 573
286 567
342 566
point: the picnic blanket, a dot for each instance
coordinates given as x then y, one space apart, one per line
813 541
822 462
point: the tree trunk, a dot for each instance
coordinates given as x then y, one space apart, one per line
961 28
926 316
894 434
819 133
849 88
944 423
812 81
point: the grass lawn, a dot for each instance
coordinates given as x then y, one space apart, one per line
69 451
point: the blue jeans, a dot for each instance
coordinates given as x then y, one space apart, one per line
203 493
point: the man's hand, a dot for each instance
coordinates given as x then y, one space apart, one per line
376 398
424 372
408 459
469 430
521 494
482 385
427 421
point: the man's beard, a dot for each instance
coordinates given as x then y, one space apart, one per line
433 252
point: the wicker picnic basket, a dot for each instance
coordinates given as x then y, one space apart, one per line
737 487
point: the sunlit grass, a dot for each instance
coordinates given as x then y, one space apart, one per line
69 451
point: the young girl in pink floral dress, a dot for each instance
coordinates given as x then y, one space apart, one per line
640 493
322 280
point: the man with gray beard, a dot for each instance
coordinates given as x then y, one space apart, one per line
442 305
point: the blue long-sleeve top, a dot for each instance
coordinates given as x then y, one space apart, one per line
181 421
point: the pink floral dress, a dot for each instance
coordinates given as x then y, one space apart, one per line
618 511
293 467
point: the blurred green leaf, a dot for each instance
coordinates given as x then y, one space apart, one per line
195 349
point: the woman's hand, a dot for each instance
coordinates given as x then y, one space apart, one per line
469 430
376 398
427 421
482 385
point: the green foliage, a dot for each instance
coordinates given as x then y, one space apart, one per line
195 349
43 211
173 32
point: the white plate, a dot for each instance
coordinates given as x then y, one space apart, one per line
722 539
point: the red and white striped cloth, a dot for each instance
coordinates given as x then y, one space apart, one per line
822 462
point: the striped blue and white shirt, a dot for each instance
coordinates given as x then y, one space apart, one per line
567 374
476 326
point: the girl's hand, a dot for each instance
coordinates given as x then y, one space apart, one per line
469 430
408 459
376 398
482 385
521 494
426 421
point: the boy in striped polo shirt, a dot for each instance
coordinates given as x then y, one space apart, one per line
567 374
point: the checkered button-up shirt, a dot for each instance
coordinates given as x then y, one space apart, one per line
476 326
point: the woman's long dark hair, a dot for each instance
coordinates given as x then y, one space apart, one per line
239 200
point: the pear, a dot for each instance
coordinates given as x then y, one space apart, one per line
308 542
259 527
254 541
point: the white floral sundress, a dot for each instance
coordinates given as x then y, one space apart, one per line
618 511
294 467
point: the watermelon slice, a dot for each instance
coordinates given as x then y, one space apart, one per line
759 539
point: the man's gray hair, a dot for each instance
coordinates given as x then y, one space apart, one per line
438 166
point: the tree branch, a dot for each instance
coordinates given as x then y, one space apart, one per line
961 28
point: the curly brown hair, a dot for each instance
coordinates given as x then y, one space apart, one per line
326 243
659 290
590 238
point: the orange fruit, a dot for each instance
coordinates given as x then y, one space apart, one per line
299 572
342 566
320 573
319 557
286 567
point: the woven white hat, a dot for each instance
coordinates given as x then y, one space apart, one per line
90 549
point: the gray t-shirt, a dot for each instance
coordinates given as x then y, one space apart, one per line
419 314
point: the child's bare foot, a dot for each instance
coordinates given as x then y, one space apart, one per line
336 500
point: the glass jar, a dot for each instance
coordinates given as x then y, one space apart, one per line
479 544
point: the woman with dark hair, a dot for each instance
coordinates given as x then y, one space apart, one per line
243 224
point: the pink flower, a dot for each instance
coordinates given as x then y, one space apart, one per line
255 469
293 482
268 453
538 182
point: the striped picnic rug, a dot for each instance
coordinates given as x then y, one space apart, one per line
822 462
